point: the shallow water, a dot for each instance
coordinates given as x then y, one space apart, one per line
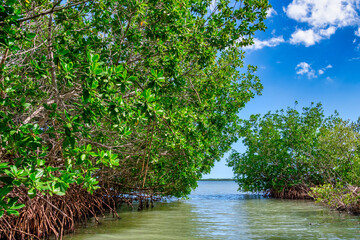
216 210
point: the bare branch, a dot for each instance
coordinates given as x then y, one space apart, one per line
52 10
1 71
51 56
41 108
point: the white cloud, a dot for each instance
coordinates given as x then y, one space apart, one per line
323 17
327 32
311 36
322 13
270 12
329 66
272 42
304 68
357 32
308 37
322 71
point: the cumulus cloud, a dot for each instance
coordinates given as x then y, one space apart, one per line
304 68
323 17
308 37
270 12
272 42
322 13
311 36
327 32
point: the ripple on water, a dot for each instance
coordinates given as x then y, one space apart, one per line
215 210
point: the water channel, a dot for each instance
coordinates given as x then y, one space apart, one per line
215 210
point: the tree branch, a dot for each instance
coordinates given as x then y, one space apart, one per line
51 57
52 10
1 71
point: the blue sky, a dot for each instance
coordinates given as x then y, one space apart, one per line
310 52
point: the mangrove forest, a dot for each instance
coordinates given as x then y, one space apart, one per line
107 102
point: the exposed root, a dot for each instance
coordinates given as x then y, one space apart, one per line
294 192
46 216
341 198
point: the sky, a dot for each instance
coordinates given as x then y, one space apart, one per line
310 52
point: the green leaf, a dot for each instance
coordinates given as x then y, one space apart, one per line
12 201
88 148
95 84
132 78
18 206
119 68
153 72
95 58
32 176
17 183
40 162
58 192
10 211
4 165
5 190
32 192
39 173
30 36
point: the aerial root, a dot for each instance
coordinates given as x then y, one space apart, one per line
44 216
293 192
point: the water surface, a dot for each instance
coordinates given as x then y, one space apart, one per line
215 210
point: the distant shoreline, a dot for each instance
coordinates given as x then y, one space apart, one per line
217 179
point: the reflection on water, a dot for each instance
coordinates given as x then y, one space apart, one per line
217 211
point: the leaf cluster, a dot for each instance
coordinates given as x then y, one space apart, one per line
291 148
141 96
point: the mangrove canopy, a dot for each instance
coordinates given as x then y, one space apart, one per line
294 154
113 98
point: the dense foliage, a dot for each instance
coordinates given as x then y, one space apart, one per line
340 152
138 96
290 151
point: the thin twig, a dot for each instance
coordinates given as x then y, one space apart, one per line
52 10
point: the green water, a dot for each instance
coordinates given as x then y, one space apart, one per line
217 211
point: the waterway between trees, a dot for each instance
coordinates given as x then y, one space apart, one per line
215 210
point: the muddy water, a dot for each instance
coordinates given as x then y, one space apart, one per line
215 210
